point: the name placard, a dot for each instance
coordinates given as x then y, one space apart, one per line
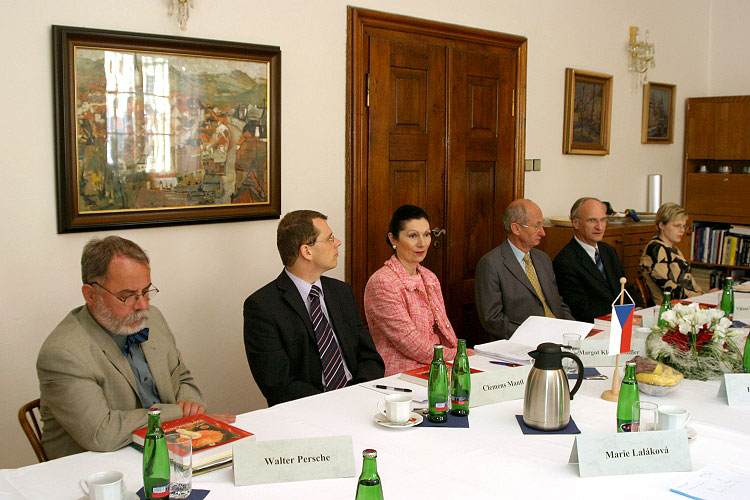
742 306
616 453
281 461
595 352
494 386
736 388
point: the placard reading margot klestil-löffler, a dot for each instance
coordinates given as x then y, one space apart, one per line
615 453
494 386
281 461
736 388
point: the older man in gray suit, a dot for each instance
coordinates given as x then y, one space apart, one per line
101 369
514 280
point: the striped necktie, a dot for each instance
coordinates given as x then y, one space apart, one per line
600 264
531 274
135 338
330 354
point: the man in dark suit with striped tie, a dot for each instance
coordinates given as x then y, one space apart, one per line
303 331
588 270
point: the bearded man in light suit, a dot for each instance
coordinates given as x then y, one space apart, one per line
515 280
100 369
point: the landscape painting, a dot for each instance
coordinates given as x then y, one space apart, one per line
587 112
161 135
657 125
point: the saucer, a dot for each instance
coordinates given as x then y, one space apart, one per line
129 495
415 419
692 433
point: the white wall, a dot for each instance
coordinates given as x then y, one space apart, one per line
729 74
206 271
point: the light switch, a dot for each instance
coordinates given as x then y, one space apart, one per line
537 164
529 165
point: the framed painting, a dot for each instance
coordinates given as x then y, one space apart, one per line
588 111
657 123
156 130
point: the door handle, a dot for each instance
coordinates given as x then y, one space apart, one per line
436 232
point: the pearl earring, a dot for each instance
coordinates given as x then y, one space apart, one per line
394 247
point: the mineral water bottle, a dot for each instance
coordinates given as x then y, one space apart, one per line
369 487
727 299
666 305
437 388
460 381
628 396
155 459
746 357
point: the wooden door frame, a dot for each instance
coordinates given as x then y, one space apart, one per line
358 20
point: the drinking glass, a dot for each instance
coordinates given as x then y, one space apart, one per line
180 449
644 416
571 343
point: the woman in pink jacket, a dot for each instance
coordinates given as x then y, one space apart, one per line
403 300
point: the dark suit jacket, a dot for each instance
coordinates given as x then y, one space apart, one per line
583 287
504 295
280 340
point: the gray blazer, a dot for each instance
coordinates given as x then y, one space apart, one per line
89 398
504 295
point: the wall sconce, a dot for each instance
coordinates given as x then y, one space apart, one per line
641 54
182 7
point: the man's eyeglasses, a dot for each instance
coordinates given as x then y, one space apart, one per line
535 228
592 220
130 299
330 239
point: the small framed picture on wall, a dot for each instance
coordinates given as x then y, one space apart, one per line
657 123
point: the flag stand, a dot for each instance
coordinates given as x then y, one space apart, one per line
613 394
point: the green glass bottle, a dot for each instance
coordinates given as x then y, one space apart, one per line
155 459
666 305
727 299
628 396
460 381
437 388
369 487
746 357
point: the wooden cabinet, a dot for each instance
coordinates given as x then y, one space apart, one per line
628 238
717 134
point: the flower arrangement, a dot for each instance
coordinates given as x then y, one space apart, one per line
697 342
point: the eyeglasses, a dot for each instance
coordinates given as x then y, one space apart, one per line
592 220
535 228
678 226
330 239
131 298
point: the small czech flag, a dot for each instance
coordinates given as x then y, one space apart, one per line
621 329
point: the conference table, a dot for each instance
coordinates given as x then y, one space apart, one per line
490 459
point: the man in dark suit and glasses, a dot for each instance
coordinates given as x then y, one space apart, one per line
588 270
303 331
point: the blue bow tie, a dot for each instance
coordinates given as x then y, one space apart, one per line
135 338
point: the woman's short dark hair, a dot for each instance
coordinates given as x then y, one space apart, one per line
401 216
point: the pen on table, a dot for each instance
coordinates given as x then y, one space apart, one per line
504 363
389 388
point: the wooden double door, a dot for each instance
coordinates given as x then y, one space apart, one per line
436 119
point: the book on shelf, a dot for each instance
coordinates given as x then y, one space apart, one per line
721 244
212 439
421 374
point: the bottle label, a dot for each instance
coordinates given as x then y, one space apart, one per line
626 427
440 406
160 492
459 400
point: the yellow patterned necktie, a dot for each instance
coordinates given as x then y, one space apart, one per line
531 274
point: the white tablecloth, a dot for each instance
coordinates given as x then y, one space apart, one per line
492 459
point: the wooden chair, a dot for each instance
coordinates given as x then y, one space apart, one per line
643 289
29 421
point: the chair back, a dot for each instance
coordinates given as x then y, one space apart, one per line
29 420
644 290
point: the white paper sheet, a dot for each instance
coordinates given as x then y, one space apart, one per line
538 329
714 482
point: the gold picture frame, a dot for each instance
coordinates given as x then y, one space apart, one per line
657 123
588 112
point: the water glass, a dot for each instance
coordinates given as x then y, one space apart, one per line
644 416
571 343
180 449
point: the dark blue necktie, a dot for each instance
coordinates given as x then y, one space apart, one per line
135 338
330 354
600 264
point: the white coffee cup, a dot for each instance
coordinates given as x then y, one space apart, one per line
397 408
671 417
107 485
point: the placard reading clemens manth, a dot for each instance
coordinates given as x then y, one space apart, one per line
494 386
615 453
282 461
736 388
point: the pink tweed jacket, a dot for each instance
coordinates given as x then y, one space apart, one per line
401 320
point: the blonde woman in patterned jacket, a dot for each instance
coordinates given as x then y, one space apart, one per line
403 300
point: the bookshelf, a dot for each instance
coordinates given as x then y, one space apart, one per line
716 188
